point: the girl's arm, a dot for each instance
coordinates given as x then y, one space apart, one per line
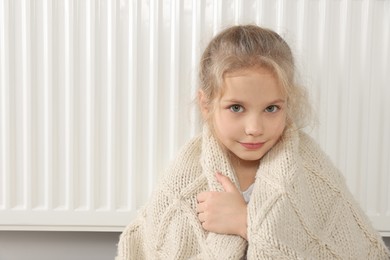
223 212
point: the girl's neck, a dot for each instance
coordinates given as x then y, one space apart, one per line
245 171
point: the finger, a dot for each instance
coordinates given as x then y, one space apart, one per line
199 208
201 217
226 183
201 197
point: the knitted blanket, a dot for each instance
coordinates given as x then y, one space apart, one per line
300 208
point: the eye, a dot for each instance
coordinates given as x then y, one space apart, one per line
272 109
236 108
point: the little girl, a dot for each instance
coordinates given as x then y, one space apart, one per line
252 185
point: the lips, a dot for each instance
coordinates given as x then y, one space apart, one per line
252 146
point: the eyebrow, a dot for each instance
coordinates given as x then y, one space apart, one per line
231 101
278 101
238 101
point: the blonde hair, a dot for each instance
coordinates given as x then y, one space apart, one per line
247 46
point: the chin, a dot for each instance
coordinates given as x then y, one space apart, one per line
250 158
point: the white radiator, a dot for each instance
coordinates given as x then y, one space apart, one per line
96 97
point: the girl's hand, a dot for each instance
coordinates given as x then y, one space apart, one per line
223 212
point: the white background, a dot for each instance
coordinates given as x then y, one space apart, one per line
95 99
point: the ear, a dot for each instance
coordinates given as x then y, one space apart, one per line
203 104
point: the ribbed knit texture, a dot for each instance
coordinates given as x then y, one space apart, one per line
300 208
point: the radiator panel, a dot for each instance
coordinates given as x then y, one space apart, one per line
96 98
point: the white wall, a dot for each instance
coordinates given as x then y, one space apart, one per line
344 45
20 245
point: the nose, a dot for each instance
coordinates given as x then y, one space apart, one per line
254 126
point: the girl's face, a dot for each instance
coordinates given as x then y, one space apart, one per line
250 116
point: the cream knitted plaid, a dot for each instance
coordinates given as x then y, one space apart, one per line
300 208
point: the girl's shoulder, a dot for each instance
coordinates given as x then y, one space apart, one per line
317 161
191 149
185 167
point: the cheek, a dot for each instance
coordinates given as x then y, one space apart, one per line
279 125
225 124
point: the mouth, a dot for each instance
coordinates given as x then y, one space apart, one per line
252 146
